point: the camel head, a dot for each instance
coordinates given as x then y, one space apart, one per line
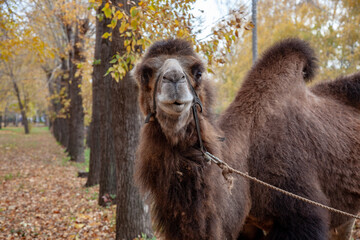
169 76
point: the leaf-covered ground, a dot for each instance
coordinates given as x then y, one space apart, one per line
40 194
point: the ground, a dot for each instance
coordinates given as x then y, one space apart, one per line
41 195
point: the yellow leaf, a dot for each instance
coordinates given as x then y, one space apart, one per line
107 10
133 11
106 35
78 226
249 26
180 33
123 27
119 14
113 23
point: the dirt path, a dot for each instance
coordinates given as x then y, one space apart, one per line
41 197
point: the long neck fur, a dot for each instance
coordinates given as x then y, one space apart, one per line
177 178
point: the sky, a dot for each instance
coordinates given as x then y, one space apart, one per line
214 10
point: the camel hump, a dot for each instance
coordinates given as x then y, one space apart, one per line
289 56
345 89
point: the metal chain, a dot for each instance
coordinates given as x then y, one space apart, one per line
226 168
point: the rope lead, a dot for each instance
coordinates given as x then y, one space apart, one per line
228 170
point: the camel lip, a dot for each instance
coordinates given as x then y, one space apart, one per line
175 107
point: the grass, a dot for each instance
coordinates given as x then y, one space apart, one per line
12 135
11 176
34 130
82 166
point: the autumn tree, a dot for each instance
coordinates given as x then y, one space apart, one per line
76 136
9 51
66 26
98 102
329 26
19 51
47 20
108 183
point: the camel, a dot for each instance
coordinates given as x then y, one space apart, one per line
302 139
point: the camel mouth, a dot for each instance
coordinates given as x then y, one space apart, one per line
174 108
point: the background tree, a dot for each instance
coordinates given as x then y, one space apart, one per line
19 52
132 215
108 183
98 102
66 26
76 137
326 25
47 20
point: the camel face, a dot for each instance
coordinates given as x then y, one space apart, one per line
168 76
174 96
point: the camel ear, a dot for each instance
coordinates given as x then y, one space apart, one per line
142 74
146 75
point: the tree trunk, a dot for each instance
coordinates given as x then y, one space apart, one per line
254 30
62 118
108 182
1 120
76 137
58 89
88 136
132 217
107 191
22 108
5 116
96 143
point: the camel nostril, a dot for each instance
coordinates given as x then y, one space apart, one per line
173 76
177 103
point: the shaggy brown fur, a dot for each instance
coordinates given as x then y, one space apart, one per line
303 140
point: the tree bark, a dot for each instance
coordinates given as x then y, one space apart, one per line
132 216
22 108
108 181
76 137
254 30
63 88
5 116
58 89
96 143
107 191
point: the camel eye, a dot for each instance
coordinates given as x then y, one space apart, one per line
197 70
198 74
